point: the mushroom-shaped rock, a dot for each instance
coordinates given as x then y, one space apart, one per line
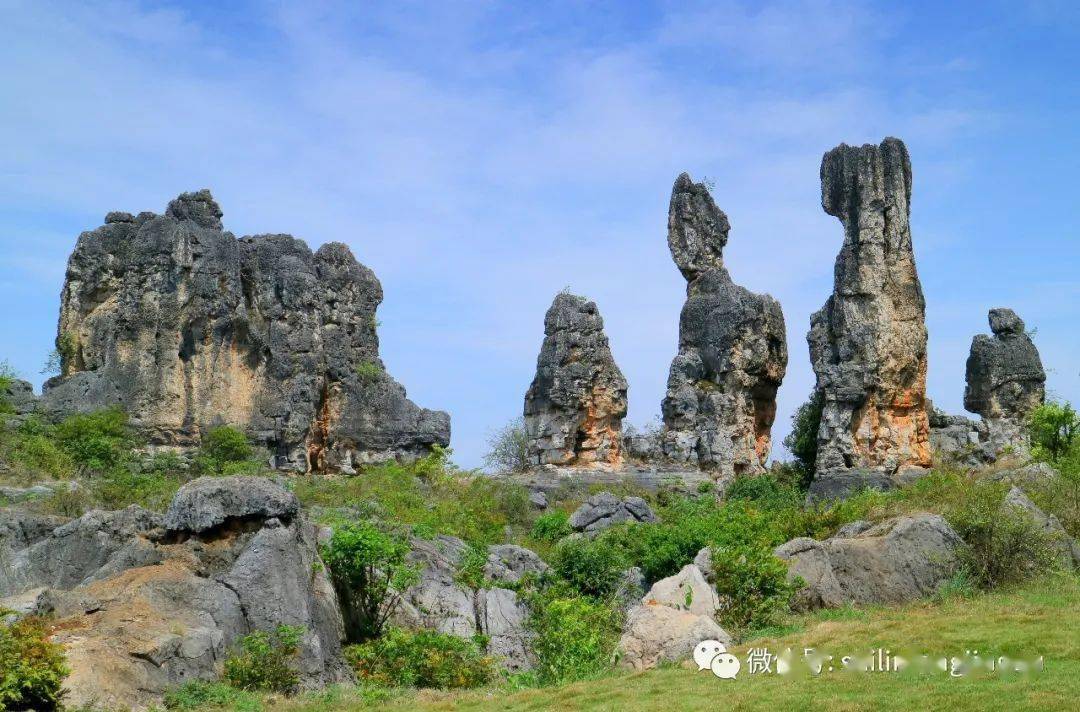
210 502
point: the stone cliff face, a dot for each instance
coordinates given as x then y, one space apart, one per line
185 326
868 343
575 405
1005 376
721 393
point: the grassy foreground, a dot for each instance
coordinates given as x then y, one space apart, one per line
1040 618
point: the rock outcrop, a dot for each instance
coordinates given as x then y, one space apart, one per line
604 510
868 343
1005 379
721 392
145 603
440 601
185 326
575 405
895 561
1066 550
674 616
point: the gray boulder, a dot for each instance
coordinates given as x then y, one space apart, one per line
187 327
720 401
209 502
437 601
685 591
507 563
605 509
868 343
504 620
898 560
577 400
19 395
654 634
140 610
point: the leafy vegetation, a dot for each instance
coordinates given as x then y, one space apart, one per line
508 448
32 669
1053 428
367 566
369 372
200 694
264 661
575 635
801 442
424 658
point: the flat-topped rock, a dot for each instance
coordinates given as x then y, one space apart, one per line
210 502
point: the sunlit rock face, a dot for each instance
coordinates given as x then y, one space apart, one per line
721 393
185 326
1005 376
868 343
575 405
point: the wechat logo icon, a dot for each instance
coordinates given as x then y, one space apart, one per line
713 655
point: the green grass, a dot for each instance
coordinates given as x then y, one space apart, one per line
1041 617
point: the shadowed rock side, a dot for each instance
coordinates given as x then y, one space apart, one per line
575 405
1005 376
868 343
185 326
721 393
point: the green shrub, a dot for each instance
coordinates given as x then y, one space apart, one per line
575 635
95 441
33 449
424 658
369 372
508 448
224 444
766 492
198 695
802 442
7 376
368 569
61 359
551 526
753 583
122 487
1053 428
593 567
264 661
470 572
1001 545
32 669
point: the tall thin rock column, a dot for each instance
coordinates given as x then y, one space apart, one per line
721 392
868 343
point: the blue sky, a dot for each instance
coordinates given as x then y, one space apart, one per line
481 156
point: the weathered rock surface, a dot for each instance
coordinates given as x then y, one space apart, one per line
1005 381
503 619
897 560
721 392
19 395
508 563
657 633
185 327
141 610
575 405
868 343
604 509
685 591
210 502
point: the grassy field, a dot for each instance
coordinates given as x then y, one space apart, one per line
1041 618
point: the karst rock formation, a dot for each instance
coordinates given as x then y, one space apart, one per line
1005 378
185 327
868 343
575 405
721 392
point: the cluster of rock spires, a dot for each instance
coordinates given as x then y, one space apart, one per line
185 326
721 396
868 347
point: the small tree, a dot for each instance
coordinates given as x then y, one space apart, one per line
508 448
1053 428
263 662
801 442
95 441
369 571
